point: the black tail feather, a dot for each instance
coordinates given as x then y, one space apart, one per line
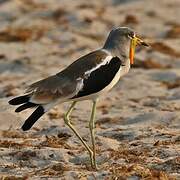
33 118
25 106
19 100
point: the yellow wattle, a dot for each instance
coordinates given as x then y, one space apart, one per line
132 50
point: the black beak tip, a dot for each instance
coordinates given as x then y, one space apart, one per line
145 44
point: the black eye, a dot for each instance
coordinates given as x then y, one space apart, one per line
131 34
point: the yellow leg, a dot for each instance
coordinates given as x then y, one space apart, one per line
92 127
67 121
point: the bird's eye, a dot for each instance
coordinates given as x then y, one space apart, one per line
131 35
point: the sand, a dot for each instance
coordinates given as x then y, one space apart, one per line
138 122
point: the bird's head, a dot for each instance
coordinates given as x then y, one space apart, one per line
123 41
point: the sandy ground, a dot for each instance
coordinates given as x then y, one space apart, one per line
138 122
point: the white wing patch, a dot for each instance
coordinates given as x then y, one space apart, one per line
87 73
104 62
79 85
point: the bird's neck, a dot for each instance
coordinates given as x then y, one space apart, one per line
118 49
122 55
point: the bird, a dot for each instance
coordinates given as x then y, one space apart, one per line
87 78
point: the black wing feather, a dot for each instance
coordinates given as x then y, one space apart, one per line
100 78
33 118
19 100
25 106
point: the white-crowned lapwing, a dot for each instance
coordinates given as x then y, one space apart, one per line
85 79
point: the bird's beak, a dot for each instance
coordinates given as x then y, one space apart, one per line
134 42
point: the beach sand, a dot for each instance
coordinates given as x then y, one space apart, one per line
138 122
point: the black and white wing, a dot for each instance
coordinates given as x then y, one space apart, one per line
69 82
100 78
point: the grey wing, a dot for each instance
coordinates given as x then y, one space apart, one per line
68 82
53 87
